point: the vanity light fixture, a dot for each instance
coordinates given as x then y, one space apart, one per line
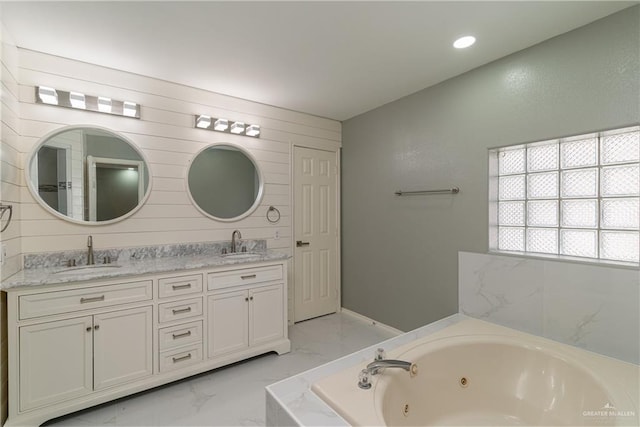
77 100
104 104
203 122
47 95
227 126
221 125
80 101
129 109
253 130
464 42
237 128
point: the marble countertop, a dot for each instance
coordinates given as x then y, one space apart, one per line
60 275
291 401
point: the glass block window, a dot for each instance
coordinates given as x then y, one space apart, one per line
577 196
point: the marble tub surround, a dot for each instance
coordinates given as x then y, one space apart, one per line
595 307
59 275
292 403
60 259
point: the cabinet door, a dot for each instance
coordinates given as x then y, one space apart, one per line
122 346
228 329
266 316
55 361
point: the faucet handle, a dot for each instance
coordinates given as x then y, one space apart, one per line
380 354
364 379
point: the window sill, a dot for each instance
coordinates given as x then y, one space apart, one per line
569 259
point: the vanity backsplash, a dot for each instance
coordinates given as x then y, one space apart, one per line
60 259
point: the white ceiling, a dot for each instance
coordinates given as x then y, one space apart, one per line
331 59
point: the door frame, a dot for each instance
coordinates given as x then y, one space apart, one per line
68 171
92 164
291 270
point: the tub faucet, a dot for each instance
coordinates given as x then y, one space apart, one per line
90 258
233 240
376 367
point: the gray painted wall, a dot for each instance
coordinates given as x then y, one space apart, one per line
399 254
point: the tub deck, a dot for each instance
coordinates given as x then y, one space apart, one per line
329 396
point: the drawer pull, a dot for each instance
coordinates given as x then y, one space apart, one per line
181 358
91 299
176 287
249 276
181 310
182 335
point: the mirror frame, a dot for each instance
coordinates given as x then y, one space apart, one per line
45 206
256 202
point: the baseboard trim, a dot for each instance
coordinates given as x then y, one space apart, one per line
371 321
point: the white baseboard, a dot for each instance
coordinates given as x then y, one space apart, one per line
371 321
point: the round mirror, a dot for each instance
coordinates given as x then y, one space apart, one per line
88 175
224 182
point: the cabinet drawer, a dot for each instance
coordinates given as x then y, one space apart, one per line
56 302
180 358
177 310
182 285
245 276
177 336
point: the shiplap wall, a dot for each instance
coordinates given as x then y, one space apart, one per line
165 135
10 179
167 138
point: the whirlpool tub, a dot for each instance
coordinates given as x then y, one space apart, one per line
476 373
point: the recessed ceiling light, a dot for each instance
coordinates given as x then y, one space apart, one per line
464 42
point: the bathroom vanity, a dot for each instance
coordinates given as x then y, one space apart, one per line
87 340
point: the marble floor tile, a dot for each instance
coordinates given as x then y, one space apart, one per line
234 395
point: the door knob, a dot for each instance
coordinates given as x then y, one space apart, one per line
300 243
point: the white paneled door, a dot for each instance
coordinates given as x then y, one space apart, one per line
316 233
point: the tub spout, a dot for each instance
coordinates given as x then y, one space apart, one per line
376 367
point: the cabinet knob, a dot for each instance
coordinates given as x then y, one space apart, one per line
88 328
246 299
251 298
96 327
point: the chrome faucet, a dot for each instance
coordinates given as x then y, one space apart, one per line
90 258
234 244
376 367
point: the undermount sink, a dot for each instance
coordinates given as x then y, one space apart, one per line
85 269
241 255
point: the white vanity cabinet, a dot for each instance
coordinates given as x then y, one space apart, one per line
85 350
51 376
79 344
246 309
63 359
246 318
